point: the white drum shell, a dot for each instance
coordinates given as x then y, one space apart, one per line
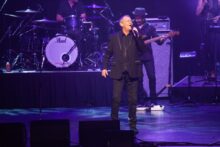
57 47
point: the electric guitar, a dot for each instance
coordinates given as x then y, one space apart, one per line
165 36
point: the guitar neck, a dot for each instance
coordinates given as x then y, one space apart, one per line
170 34
152 40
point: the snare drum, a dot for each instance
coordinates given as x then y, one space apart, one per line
61 51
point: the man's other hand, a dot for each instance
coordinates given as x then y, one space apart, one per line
104 73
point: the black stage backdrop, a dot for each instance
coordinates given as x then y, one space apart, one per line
181 12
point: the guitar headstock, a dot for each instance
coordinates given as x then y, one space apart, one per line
173 33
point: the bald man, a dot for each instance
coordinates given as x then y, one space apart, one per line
126 68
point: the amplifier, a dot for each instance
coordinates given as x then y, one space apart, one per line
161 24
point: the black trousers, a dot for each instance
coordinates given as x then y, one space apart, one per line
150 69
132 86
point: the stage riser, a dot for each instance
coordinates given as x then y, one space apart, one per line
59 89
196 94
200 90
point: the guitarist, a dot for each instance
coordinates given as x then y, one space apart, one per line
147 32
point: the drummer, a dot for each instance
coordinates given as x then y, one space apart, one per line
70 7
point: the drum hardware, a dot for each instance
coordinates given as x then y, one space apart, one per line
10 39
45 40
8 35
88 30
26 27
86 26
109 8
93 60
27 20
46 25
28 57
106 14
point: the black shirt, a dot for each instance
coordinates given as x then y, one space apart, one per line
126 44
66 10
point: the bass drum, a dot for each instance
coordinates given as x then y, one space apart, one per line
61 51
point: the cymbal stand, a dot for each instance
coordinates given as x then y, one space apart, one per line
33 47
107 19
43 47
20 60
3 5
8 35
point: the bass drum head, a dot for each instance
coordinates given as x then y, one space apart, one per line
61 51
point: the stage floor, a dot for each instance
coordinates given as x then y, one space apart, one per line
178 123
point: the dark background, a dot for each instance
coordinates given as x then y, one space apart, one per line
181 13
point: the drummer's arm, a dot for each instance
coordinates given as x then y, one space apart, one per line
59 18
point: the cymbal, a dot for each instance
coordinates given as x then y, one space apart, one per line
45 21
95 6
11 15
70 16
27 11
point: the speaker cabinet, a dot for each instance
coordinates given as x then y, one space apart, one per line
122 138
54 133
93 133
12 135
163 67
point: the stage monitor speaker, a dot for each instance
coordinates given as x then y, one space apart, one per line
122 138
163 57
12 135
50 133
92 133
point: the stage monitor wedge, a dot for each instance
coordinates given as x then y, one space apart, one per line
93 133
50 133
12 135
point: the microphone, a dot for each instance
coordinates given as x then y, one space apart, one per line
134 31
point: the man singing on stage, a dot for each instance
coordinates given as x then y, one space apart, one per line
126 67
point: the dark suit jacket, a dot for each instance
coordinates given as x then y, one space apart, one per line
116 52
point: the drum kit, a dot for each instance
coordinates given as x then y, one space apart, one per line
45 42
